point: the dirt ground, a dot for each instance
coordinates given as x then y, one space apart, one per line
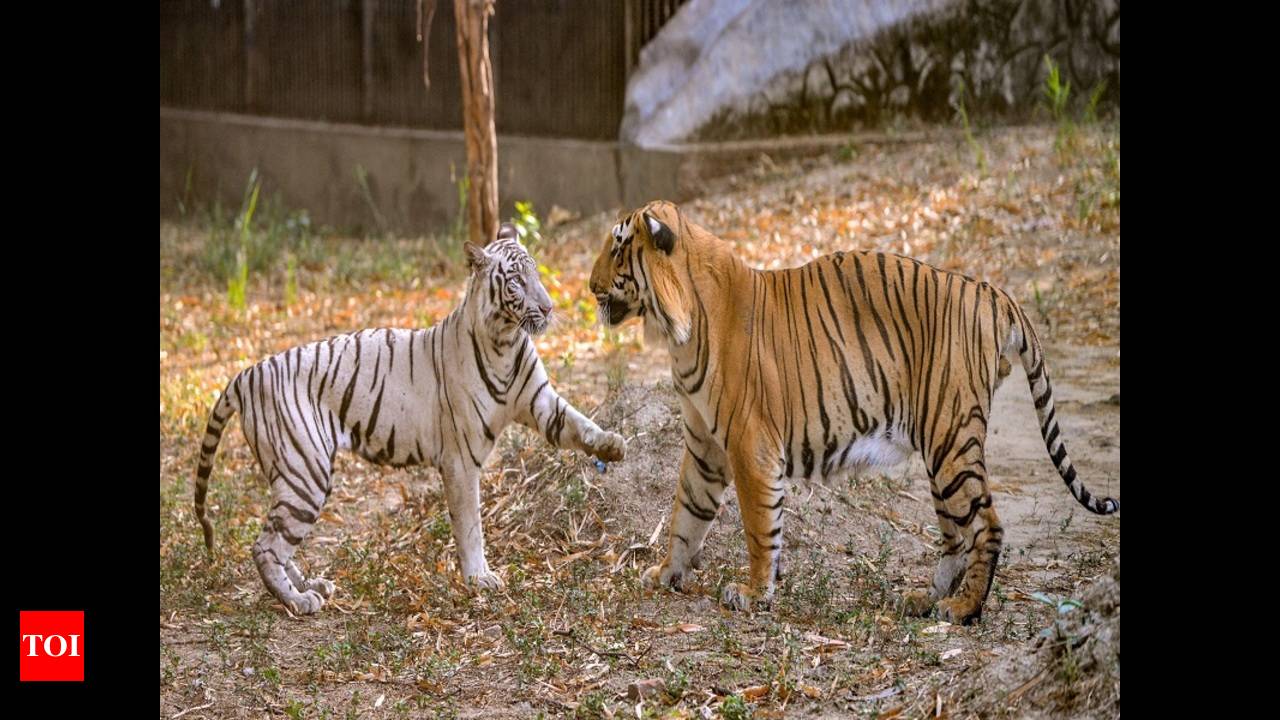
573 631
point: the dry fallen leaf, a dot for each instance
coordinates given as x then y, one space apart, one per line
824 644
644 689
811 692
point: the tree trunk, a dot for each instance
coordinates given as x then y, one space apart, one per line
472 19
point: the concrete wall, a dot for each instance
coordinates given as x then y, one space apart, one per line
410 173
312 166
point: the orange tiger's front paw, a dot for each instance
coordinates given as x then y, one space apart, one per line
662 576
737 596
959 611
916 603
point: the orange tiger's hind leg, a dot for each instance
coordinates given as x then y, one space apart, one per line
963 502
947 576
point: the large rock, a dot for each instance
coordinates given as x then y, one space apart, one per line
749 68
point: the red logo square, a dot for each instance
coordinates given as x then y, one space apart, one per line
51 645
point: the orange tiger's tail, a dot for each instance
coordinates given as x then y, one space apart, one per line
1032 355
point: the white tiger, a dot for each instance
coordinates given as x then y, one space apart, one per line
439 397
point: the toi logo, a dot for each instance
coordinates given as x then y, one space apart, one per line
51 645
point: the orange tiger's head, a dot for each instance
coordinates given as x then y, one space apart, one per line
639 272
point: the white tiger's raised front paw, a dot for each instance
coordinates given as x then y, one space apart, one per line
485 580
307 603
323 586
662 576
609 446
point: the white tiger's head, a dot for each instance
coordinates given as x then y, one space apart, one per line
504 280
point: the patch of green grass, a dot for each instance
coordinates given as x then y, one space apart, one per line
353 706
440 528
593 706
265 245
724 633
187 573
809 589
735 708
678 680
170 665
369 574
574 491
870 578
1096 182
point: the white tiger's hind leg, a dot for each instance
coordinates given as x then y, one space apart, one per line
462 493
294 510
319 584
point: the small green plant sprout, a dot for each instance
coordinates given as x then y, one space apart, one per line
362 181
1095 97
1055 92
290 279
979 155
239 280
459 230
528 226
1063 605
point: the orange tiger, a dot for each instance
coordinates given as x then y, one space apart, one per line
855 359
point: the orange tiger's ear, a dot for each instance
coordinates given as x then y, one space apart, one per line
663 238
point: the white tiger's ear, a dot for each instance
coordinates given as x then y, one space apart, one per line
508 231
476 257
663 238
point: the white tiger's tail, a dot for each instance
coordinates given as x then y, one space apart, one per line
1032 355
222 412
